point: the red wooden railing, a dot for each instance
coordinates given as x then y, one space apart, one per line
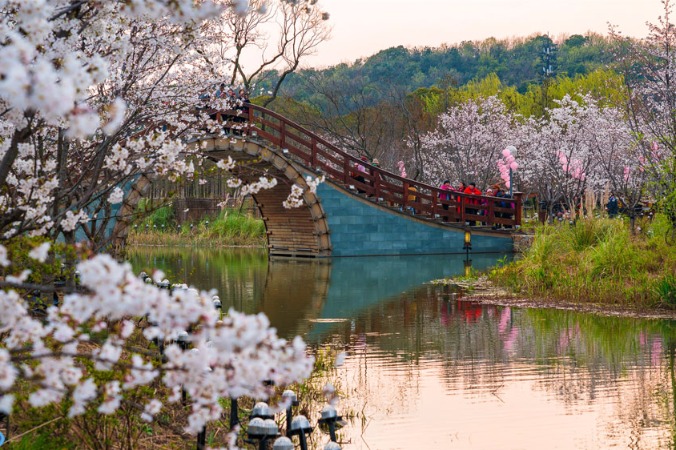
387 188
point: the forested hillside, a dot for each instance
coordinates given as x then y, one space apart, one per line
518 62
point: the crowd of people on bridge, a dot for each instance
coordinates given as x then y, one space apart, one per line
474 201
475 206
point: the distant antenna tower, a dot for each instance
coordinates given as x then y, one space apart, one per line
548 70
549 60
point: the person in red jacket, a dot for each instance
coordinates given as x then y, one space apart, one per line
472 190
461 188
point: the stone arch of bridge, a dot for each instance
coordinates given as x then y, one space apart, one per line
296 232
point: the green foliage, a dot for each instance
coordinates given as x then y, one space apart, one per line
667 203
587 233
665 289
660 229
156 217
605 85
594 260
516 62
230 227
43 440
613 256
232 224
18 250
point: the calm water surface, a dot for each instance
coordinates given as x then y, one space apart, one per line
426 370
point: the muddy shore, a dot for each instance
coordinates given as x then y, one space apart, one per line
483 291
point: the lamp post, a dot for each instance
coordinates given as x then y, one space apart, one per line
467 246
510 182
261 410
262 430
234 413
182 341
283 443
329 418
301 426
292 399
216 300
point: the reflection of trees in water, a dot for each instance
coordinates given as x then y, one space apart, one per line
597 355
436 323
575 357
669 401
237 274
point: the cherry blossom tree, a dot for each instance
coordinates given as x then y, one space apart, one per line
620 162
94 95
649 68
81 100
468 142
580 145
558 152
228 358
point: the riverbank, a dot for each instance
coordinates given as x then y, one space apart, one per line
594 265
484 291
231 228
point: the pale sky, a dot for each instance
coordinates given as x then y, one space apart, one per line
361 28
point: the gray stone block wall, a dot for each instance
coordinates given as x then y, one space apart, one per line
359 227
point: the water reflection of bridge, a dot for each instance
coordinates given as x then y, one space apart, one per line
302 296
308 297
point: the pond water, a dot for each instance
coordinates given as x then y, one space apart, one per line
427 370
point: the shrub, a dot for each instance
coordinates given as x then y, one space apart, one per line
665 289
596 260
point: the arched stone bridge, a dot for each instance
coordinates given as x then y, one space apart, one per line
380 214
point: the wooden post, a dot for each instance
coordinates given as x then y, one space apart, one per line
490 214
346 171
376 184
282 134
518 206
313 156
405 194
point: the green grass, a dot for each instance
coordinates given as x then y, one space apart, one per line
42 441
230 228
597 261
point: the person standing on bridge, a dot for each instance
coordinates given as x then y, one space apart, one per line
220 92
445 186
484 203
471 189
499 192
361 170
459 200
445 196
